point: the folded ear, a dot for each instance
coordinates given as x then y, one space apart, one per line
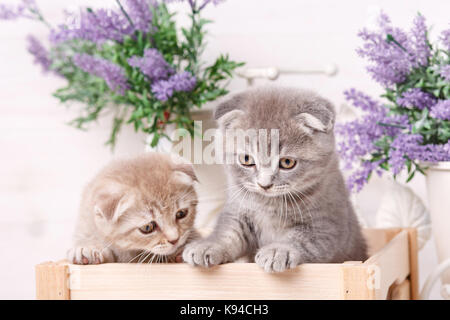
184 174
111 202
229 111
318 115
183 171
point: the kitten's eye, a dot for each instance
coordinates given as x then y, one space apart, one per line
148 228
246 160
181 214
287 163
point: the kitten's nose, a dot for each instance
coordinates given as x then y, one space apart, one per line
266 187
173 241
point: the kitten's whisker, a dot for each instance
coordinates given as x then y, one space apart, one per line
145 258
152 258
298 207
307 208
140 254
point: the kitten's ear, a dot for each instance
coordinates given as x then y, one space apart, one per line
111 203
319 116
228 111
183 171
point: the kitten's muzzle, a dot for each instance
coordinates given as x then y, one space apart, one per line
265 187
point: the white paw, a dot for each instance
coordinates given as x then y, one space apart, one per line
89 255
204 253
275 258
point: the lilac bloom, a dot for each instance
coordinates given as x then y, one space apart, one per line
445 72
141 14
13 12
184 81
441 110
162 89
391 61
40 54
113 74
25 9
97 26
181 82
420 42
416 98
152 64
445 38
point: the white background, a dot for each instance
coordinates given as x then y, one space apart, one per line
44 162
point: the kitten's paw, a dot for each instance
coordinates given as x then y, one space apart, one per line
204 253
277 258
89 255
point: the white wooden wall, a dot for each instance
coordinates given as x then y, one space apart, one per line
45 163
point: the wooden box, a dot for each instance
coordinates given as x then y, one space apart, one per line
390 273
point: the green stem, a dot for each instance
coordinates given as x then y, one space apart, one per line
390 38
391 125
124 12
40 18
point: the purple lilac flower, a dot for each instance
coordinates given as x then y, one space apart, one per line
10 12
416 98
13 12
391 61
441 110
410 145
164 89
445 37
362 101
419 38
403 145
113 74
358 178
360 135
445 72
184 81
152 64
140 13
41 55
97 26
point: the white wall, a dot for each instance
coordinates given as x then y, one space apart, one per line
45 163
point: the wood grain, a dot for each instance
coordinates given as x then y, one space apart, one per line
391 265
384 275
181 281
52 281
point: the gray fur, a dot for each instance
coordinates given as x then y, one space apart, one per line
306 217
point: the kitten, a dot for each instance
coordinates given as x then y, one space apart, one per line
288 209
140 209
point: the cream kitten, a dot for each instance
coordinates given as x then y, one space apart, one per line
136 210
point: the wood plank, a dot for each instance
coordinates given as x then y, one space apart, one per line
401 291
395 258
52 281
354 277
414 263
390 265
181 281
378 238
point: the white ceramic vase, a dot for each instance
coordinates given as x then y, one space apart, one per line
438 187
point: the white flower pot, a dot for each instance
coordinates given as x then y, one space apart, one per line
438 186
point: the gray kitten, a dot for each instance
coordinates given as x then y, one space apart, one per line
287 209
